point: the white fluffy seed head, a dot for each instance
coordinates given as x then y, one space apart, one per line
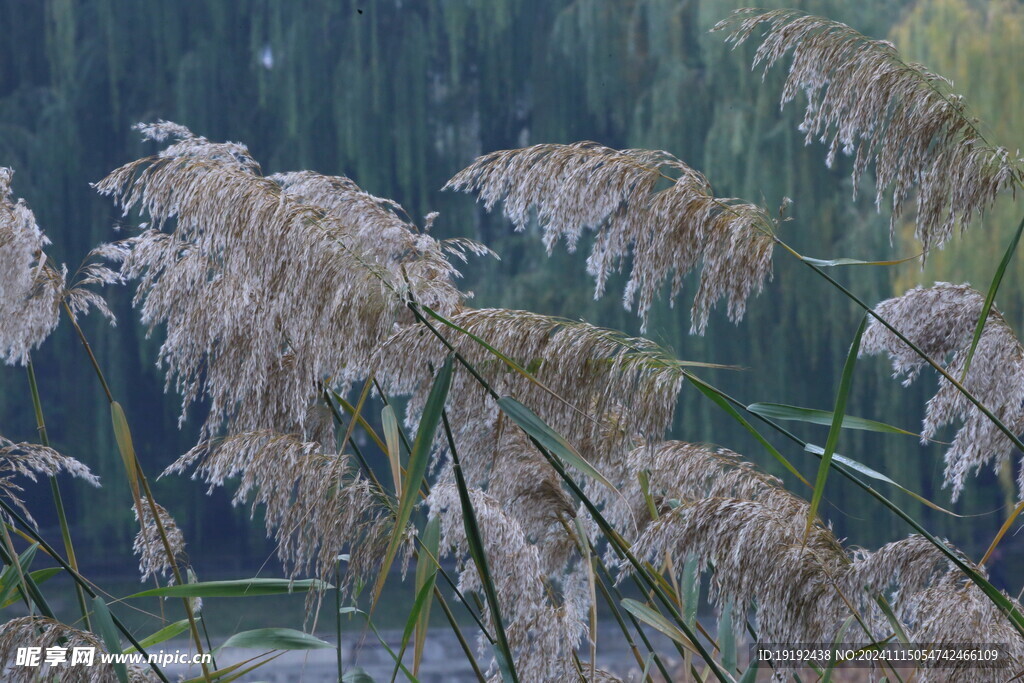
905 121
29 291
941 320
270 288
618 194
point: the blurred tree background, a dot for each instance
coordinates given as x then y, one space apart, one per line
401 95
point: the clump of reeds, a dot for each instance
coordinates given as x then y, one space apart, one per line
266 287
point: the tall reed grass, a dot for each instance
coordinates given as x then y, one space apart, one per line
532 449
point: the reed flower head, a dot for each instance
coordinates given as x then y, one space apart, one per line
148 545
750 532
617 194
543 635
941 320
586 376
314 503
900 118
269 288
29 292
31 461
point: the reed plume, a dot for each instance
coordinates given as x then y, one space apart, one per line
750 533
31 461
148 545
588 375
940 320
29 292
46 633
899 118
314 502
616 193
543 634
265 296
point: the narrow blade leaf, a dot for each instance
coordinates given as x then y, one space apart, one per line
712 393
104 625
845 381
238 588
990 297
164 634
276 639
390 425
417 468
426 572
549 438
125 447
781 411
657 621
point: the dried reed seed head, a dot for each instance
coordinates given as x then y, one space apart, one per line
31 461
149 542
29 292
941 321
954 610
529 491
265 296
678 473
616 193
47 633
315 503
758 554
863 99
543 634
750 531
592 374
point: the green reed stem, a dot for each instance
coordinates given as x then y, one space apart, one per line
58 500
141 477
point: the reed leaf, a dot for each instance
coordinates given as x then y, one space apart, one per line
276 639
842 394
106 630
780 411
237 588
417 468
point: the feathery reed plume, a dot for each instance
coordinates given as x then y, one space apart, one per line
543 636
677 472
941 320
759 556
587 371
265 296
46 633
314 503
148 545
750 532
584 185
29 292
899 117
31 460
